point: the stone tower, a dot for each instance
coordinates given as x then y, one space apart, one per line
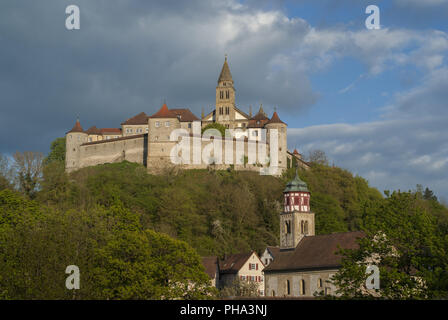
225 97
160 125
73 140
280 126
296 220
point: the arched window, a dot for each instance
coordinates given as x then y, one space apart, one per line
302 287
306 227
288 226
288 287
227 94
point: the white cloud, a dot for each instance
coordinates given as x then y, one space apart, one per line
408 147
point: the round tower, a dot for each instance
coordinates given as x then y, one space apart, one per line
73 140
281 127
296 220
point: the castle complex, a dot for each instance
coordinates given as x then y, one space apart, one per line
149 140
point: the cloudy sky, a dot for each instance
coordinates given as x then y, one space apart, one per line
374 100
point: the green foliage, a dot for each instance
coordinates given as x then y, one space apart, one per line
407 245
240 288
57 151
216 126
117 257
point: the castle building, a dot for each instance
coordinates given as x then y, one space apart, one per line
304 263
147 139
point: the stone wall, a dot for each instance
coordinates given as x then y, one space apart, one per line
132 149
276 283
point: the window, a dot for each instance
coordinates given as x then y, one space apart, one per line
227 94
243 278
273 293
288 226
319 283
189 126
90 139
288 287
221 94
167 124
302 287
147 130
227 110
253 266
157 124
327 291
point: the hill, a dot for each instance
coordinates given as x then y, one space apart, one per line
216 212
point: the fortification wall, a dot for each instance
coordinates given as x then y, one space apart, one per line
159 155
132 149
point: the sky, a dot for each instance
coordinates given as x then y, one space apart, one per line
374 100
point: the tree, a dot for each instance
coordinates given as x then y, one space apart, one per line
117 258
429 195
403 240
28 168
5 173
240 288
318 157
216 126
57 151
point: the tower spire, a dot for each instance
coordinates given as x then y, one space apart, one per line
225 72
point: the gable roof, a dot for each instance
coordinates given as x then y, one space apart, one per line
210 264
315 252
77 127
233 263
164 112
225 72
141 118
185 115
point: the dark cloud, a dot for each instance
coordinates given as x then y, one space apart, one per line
131 55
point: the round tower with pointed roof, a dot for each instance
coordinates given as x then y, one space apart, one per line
276 124
296 220
73 140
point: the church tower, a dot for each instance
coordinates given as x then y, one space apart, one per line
225 97
296 220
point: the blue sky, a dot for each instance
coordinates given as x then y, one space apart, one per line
373 100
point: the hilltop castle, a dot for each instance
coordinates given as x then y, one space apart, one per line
147 139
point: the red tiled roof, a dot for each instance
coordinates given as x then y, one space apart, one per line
185 115
141 118
234 262
164 112
275 119
110 130
93 130
210 264
296 152
77 127
315 252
